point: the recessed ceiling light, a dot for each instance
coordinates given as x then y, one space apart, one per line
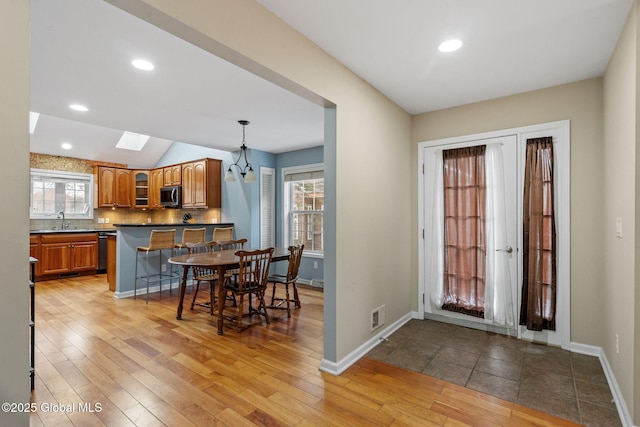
142 64
66 146
450 45
78 107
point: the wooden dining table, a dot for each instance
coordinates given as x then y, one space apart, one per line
219 260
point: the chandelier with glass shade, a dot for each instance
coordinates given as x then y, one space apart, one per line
246 171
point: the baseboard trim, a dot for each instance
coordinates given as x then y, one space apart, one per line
143 290
336 368
588 350
621 404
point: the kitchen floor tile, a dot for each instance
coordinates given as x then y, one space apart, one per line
494 385
447 371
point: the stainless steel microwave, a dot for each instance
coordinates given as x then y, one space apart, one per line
171 197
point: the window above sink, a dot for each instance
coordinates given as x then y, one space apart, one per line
53 192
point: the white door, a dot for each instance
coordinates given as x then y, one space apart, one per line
513 144
508 146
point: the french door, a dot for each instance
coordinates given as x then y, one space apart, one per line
505 250
508 248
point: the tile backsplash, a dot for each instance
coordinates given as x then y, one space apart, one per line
129 216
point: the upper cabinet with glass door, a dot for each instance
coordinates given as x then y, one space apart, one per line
141 189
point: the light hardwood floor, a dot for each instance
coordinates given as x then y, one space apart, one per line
142 367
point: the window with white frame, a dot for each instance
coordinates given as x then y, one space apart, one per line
55 191
303 197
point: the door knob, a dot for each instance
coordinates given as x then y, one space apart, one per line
508 249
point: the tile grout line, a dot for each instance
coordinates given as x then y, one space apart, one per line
522 365
473 369
575 388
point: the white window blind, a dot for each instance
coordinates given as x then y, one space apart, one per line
303 176
267 207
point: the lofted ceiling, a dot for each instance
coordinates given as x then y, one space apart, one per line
81 53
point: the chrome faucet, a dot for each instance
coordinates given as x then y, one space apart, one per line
65 225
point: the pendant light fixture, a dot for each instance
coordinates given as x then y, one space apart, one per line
247 170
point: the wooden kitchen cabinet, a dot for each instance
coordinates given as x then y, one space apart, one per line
156 182
62 253
111 262
202 184
187 185
141 188
34 250
114 187
172 175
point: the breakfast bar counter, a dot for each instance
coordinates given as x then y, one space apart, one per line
130 236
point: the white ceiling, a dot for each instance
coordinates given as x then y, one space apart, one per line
81 53
510 46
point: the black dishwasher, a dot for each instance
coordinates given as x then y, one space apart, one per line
102 251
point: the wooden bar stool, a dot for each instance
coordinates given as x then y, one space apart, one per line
222 233
159 240
192 235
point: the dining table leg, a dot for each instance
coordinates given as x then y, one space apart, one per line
222 270
183 288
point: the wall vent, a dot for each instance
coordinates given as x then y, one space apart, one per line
377 317
317 283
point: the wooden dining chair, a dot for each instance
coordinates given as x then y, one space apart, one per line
253 270
203 274
295 256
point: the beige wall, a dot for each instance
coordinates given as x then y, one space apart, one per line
620 198
580 102
372 150
14 140
376 141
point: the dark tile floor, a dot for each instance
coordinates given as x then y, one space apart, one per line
548 379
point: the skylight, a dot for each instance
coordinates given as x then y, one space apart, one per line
132 141
33 121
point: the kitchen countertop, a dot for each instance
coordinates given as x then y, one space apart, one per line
74 230
174 224
114 227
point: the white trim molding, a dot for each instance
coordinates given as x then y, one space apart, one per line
336 368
